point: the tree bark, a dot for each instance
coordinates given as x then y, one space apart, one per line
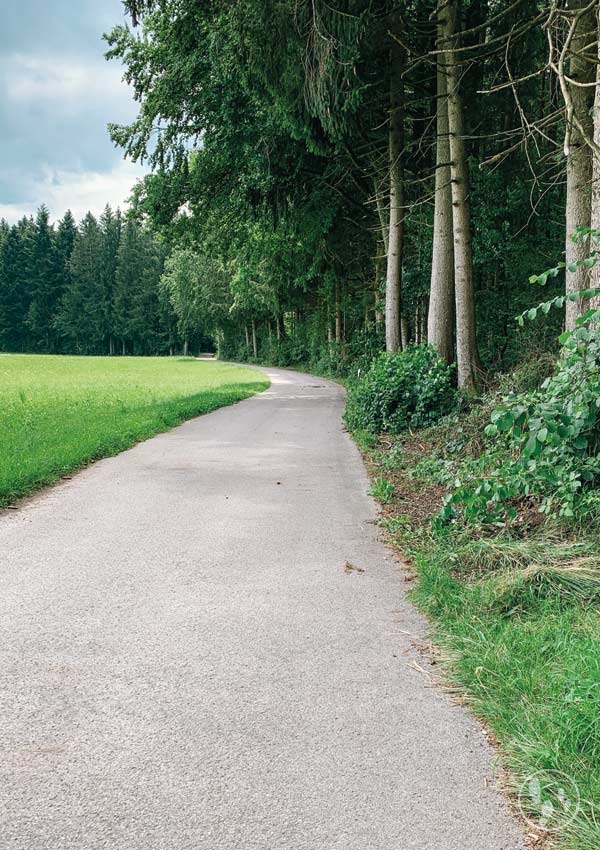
404 332
595 205
396 213
579 158
254 342
247 338
466 340
186 347
440 318
338 315
384 225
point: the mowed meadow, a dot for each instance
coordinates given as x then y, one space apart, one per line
58 413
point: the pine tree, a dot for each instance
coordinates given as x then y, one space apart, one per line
110 227
83 303
44 281
66 233
14 302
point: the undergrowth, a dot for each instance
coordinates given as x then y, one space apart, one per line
514 603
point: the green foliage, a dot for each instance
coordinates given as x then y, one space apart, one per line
382 489
411 389
69 289
58 413
544 444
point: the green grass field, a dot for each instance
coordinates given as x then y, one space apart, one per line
60 413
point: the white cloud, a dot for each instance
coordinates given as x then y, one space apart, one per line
61 81
76 190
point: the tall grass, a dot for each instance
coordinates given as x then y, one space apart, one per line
515 614
59 413
523 645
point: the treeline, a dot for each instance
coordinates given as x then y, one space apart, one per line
333 180
87 289
369 174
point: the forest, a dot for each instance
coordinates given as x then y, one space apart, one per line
368 177
91 288
328 183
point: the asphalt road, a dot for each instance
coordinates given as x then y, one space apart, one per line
187 663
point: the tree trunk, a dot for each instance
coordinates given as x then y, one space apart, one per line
254 343
404 332
186 347
396 213
466 341
440 319
379 261
247 338
381 212
338 315
595 206
579 159
123 347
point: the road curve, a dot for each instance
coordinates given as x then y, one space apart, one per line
188 663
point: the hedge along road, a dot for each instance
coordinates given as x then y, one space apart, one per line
204 644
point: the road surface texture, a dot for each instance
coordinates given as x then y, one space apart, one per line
190 663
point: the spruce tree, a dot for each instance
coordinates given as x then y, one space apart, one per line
83 303
66 233
14 303
44 282
110 228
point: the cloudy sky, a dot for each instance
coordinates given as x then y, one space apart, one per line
57 94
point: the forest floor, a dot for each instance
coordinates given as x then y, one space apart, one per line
58 413
206 643
523 654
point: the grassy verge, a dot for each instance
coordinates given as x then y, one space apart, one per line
60 413
517 622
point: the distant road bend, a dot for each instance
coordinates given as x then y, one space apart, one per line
190 661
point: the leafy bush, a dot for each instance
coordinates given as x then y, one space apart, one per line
545 443
411 389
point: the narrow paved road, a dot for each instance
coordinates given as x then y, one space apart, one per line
186 663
